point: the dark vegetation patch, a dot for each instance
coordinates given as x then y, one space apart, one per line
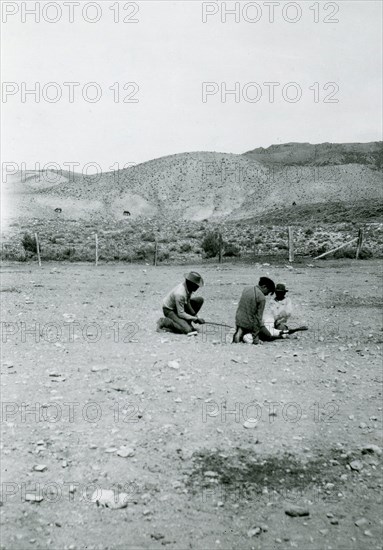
250 473
345 300
10 289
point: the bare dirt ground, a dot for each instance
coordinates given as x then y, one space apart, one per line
94 382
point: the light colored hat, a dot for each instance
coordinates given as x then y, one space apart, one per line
194 277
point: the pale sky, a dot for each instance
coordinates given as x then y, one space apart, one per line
169 53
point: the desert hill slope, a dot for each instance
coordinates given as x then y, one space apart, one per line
207 185
324 154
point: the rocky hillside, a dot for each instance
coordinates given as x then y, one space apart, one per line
290 178
323 154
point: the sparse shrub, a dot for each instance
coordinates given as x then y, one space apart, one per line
185 247
318 250
143 252
29 243
148 236
210 244
350 252
69 251
281 245
231 250
163 255
13 252
309 232
365 254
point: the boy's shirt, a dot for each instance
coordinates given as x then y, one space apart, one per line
281 310
250 309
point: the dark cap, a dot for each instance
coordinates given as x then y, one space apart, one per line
281 288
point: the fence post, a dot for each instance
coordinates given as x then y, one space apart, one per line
220 243
291 244
96 237
155 253
38 248
360 243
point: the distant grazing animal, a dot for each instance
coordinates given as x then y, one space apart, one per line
294 203
58 210
126 213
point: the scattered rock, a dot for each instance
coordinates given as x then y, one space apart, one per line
173 365
371 449
368 533
356 465
249 424
125 452
110 499
360 522
296 511
254 531
98 369
40 468
33 498
157 536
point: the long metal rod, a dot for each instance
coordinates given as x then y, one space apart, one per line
217 324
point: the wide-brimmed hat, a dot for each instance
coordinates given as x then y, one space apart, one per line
280 288
194 277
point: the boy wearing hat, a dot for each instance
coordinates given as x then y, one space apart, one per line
249 316
281 307
180 309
